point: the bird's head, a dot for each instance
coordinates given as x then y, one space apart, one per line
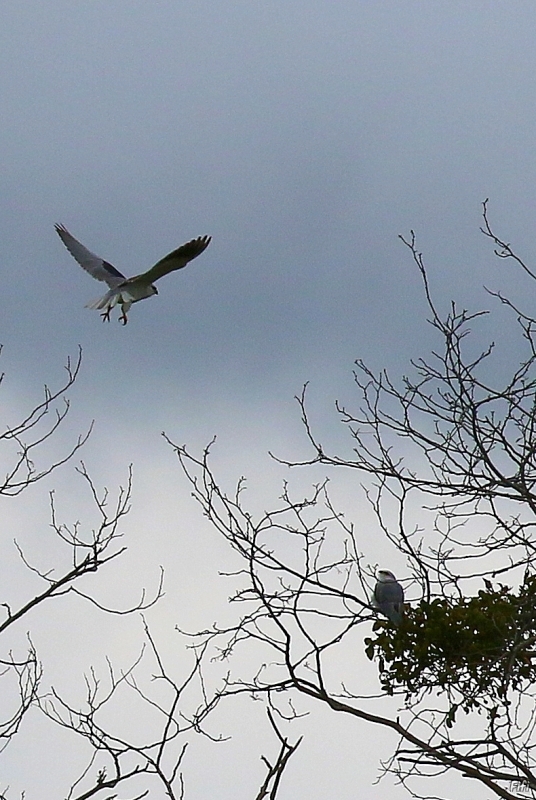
384 576
154 290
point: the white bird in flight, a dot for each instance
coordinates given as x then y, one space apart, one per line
388 596
126 291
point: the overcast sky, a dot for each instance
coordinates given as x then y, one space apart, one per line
304 137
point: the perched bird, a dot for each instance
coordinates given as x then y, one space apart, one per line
126 291
388 596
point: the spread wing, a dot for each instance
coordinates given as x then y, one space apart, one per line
177 259
96 266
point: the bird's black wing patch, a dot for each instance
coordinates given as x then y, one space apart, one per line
113 270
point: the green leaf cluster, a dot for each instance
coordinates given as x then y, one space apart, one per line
481 646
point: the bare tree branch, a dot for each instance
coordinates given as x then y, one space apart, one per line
36 428
272 781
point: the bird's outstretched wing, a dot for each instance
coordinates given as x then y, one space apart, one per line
96 266
177 259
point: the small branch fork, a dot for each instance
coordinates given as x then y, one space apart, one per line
34 430
272 781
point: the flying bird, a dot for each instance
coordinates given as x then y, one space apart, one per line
125 291
388 596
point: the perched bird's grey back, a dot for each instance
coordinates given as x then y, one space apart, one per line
388 596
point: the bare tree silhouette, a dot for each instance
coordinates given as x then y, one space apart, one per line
154 709
446 458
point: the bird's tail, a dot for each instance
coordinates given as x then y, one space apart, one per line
108 301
